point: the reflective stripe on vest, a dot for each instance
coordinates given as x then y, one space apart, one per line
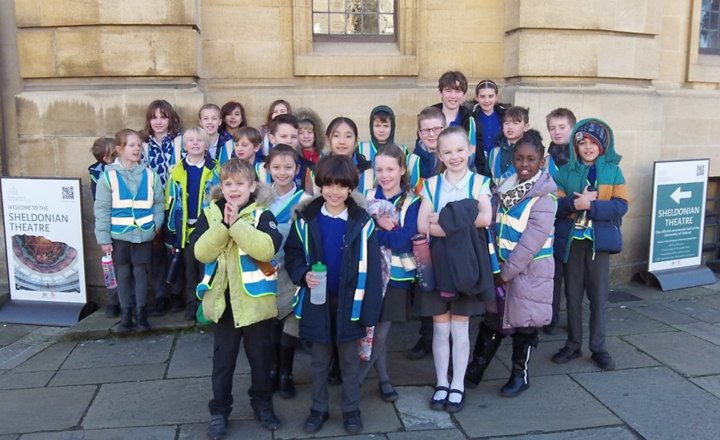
550 165
262 173
510 225
208 279
284 214
130 211
496 167
359 295
255 282
413 170
367 180
397 268
226 151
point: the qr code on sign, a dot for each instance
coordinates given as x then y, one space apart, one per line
700 170
68 193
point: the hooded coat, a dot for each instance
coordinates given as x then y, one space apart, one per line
606 212
315 323
309 115
368 149
529 288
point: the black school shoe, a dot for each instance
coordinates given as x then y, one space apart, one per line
176 303
565 355
420 350
112 311
267 418
217 430
603 360
315 420
353 423
162 306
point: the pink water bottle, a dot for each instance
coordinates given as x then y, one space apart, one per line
423 261
109 271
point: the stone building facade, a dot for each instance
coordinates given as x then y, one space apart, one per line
74 70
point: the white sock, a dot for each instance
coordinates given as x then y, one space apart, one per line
441 355
460 356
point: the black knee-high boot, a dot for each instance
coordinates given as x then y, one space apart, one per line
486 345
287 386
522 346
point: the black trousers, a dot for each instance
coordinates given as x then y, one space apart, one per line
321 359
557 287
226 348
586 272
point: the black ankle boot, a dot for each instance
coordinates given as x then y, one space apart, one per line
141 318
522 345
126 320
287 386
486 345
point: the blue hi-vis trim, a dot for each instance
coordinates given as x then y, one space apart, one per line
262 174
263 286
208 279
397 273
226 153
298 302
356 308
473 141
494 263
285 213
550 165
496 167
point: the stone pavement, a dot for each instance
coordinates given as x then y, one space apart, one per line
86 383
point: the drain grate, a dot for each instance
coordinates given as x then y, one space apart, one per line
617 296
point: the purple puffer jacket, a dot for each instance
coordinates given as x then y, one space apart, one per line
530 282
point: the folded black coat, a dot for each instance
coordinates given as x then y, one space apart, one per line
461 259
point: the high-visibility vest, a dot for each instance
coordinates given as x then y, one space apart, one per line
510 225
397 269
368 228
284 214
128 210
496 167
369 150
254 281
433 185
550 166
262 173
225 151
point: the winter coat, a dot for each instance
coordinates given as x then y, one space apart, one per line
369 149
315 319
529 288
95 170
311 116
213 240
606 212
461 260
103 204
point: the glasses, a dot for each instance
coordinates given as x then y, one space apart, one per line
433 130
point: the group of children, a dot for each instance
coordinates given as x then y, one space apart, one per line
279 234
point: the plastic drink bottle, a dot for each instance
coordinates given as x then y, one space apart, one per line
109 271
318 293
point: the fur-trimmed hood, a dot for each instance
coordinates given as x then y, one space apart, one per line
356 196
264 194
310 115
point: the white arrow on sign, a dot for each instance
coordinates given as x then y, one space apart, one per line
678 195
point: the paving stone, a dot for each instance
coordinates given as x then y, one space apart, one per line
130 373
145 433
656 402
95 326
446 434
624 354
28 346
664 314
237 430
377 416
682 352
10 333
415 411
712 301
709 383
696 310
64 407
170 322
192 356
486 413
623 321
702 330
14 381
49 359
615 433
116 352
160 402
9 437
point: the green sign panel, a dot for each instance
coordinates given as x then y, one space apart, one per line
678 224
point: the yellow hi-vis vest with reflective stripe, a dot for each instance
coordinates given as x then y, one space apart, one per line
510 225
129 211
255 282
